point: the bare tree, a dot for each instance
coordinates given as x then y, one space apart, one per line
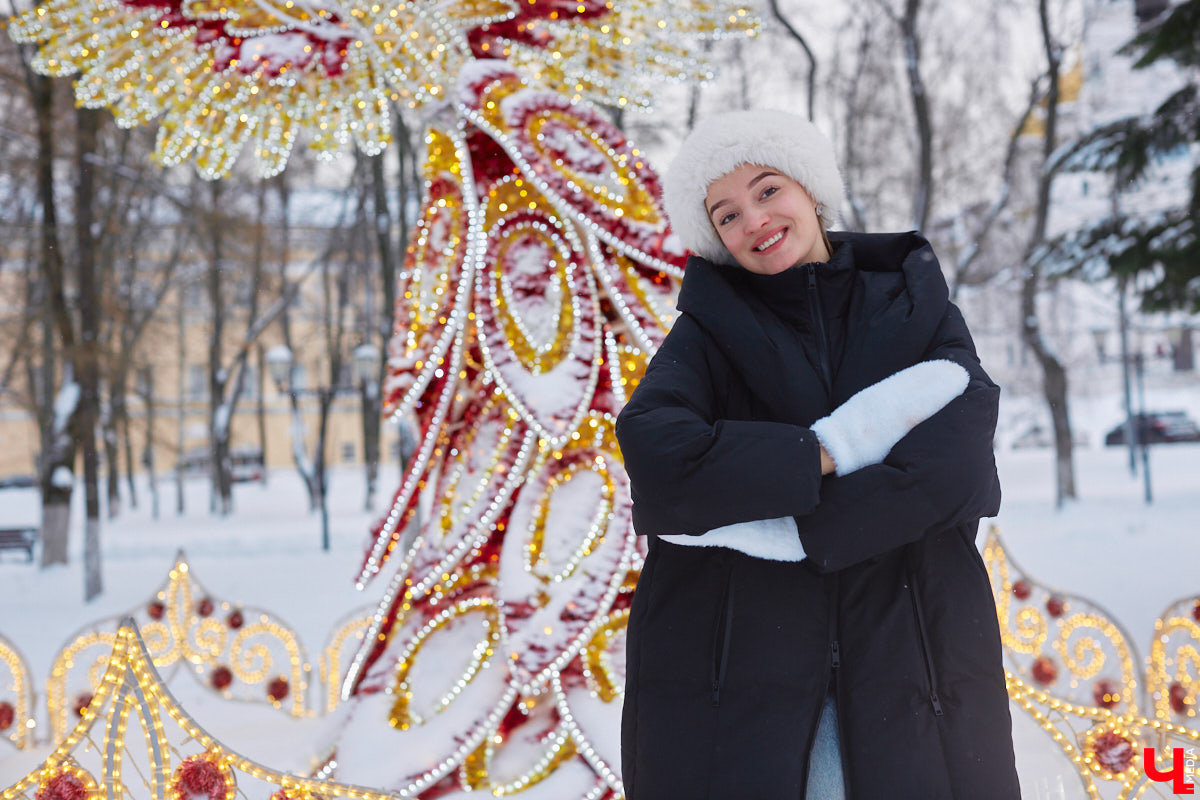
1054 374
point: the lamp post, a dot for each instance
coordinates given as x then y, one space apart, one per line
279 364
1134 426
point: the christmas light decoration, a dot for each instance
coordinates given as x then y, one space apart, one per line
237 652
179 761
222 76
1073 670
16 696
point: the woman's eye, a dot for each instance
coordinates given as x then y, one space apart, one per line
770 190
725 220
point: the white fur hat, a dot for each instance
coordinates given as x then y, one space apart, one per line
720 143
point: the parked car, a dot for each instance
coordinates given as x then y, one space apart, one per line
1158 427
1037 436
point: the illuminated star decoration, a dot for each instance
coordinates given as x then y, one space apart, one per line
222 75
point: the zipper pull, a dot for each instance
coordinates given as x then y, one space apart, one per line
812 277
937 704
836 654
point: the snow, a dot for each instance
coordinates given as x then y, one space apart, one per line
65 404
1108 546
62 477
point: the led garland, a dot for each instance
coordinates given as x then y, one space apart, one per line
16 697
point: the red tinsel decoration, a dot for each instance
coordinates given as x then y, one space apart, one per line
235 619
1044 670
1114 752
277 689
205 607
1106 694
63 786
1177 696
156 610
1055 606
7 715
1021 589
81 703
221 677
198 775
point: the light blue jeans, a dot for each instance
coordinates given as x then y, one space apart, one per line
825 760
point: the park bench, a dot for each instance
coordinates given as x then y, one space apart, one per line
19 539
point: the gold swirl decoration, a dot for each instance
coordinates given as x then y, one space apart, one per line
1060 642
172 741
241 653
16 696
1173 676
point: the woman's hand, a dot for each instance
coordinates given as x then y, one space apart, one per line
828 467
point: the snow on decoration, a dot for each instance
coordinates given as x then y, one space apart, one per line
224 77
237 652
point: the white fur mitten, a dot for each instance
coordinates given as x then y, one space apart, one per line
773 539
864 429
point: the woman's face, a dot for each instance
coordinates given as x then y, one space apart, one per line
767 220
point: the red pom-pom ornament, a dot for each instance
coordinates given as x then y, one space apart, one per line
1055 606
1044 670
278 689
81 703
1021 589
1196 611
235 619
1177 697
7 715
1113 752
156 610
66 785
205 607
199 776
221 677
1106 694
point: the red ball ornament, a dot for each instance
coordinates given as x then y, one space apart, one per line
1021 589
1055 606
235 619
1177 696
81 703
7 715
198 775
1196 611
1106 694
156 610
205 607
278 689
63 786
1044 670
221 677
1113 752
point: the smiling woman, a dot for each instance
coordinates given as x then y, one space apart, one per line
809 455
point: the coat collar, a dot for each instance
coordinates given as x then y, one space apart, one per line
893 307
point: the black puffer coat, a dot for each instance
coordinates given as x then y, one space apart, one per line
730 657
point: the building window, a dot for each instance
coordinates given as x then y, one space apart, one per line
348 452
197 381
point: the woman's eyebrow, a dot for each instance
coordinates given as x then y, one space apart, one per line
749 185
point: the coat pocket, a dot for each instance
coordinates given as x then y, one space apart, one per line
923 635
722 635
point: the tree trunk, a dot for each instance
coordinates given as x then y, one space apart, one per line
181 403
1054 375
221 496
108 426
148 448
88 358
261 410
123 418
923 193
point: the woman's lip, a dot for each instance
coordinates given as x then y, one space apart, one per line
784 231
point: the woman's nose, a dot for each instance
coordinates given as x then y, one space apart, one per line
754 220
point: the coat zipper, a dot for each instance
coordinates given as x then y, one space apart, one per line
818 320
930 671
721 639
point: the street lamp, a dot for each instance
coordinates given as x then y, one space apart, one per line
366 364
279 364
367 361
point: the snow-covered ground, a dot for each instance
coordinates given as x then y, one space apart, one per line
1133 559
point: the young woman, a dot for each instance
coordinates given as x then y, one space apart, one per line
810 454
